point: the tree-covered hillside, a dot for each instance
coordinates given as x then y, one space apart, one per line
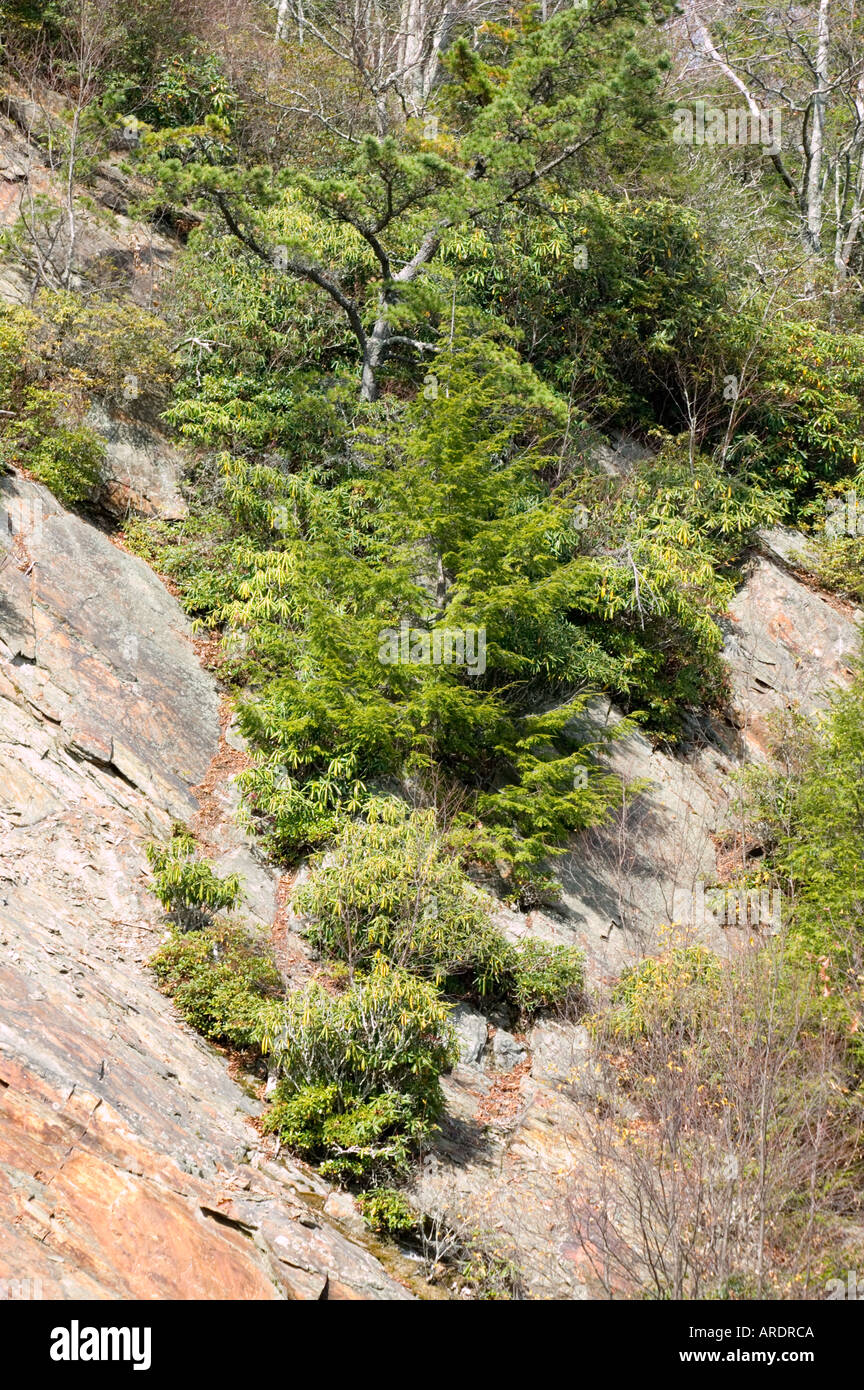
492 347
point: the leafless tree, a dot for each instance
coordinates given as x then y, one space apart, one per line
393 47
723 1144
60 82
808 63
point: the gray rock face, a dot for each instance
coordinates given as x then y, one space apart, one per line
471 1032
141 471
97 652
507 1053
515 1163
621 883
342 1207
786 645
128 1166
790 547
619 456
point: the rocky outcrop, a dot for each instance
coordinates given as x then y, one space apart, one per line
141 469
108 252
130 1165
786 644
98 655
514 1160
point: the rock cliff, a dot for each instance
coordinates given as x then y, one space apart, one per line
130 1166
130 1162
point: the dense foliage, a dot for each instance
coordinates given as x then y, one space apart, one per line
487 386
359 1071
390 888
219 979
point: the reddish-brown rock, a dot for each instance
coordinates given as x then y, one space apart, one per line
129 1164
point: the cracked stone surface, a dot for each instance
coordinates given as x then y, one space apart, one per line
141 470
129 1166
512 1160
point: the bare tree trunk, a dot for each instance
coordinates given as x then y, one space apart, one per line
814 138
282 18
850 212
373 356
808 190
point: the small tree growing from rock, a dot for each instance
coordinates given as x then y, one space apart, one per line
187 886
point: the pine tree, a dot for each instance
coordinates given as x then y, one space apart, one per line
500 128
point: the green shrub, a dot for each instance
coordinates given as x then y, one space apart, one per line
186 885
220 980
387 1212
391 885
671 990
56 357
806 806
547 976
649 297
196 555
808 406
104 348
359 1071
348 1137
840 566
187 89
65 457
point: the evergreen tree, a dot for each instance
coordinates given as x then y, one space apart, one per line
503 128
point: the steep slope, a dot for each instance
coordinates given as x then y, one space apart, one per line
513 1158
129 1163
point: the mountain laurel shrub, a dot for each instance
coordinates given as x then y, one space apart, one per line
219 979
391 888
359 1071
187 885
547 976
54 359
387 1211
